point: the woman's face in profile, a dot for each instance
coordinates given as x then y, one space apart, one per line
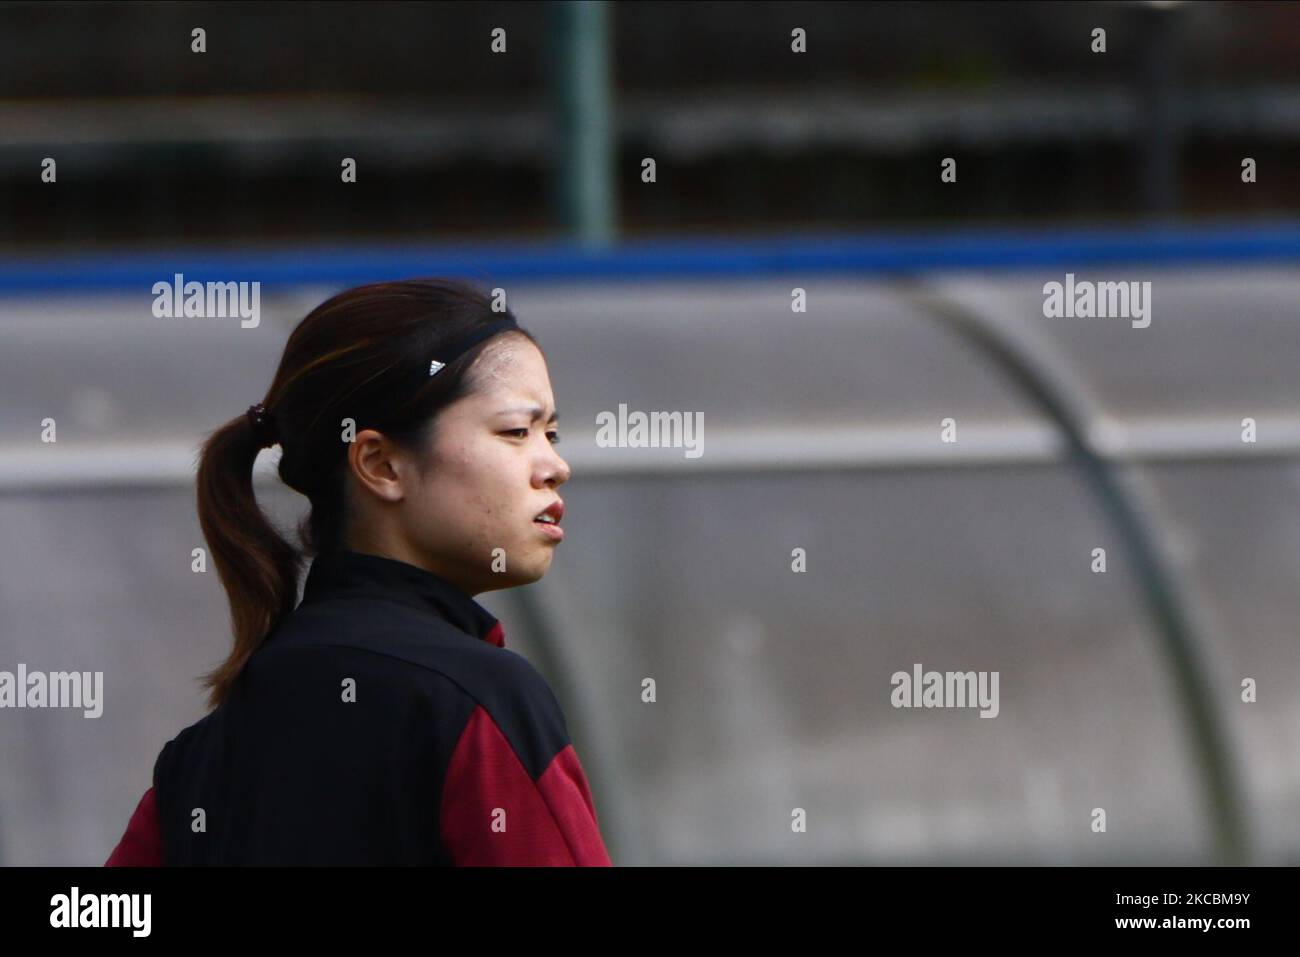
493 470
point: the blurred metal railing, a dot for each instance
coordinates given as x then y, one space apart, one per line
1047 380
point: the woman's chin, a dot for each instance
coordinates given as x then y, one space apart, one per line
538 566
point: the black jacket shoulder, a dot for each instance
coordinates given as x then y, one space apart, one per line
350 709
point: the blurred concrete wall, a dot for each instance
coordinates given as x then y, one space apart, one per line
821 432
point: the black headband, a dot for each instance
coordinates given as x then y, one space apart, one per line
263 426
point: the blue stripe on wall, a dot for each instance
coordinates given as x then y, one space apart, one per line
870 255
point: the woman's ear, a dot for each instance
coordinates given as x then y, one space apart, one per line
378 466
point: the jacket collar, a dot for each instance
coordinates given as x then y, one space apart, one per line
345 573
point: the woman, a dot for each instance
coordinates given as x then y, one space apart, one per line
382 720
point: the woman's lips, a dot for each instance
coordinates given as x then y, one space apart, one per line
551 530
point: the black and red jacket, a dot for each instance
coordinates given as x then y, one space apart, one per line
382 722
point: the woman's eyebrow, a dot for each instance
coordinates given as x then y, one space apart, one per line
535 412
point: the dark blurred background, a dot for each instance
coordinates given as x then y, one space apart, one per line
243 142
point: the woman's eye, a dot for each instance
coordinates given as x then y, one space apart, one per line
523 433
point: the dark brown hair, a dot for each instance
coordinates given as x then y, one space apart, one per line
363 354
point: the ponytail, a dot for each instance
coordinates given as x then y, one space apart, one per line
258 568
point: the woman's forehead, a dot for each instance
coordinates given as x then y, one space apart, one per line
514 368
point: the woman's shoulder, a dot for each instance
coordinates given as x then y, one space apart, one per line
421 651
